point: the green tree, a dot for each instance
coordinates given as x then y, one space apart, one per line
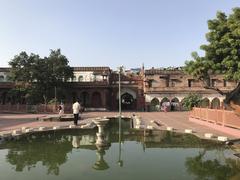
39 76
190 101
204 168
222 53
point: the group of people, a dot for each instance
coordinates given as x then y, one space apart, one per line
76 107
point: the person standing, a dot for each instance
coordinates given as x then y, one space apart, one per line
61 108
76 108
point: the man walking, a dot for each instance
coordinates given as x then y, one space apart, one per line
76 108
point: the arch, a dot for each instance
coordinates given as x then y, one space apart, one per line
175 104
215 104
85 99
80 78
127 101
1 78
165 100
3 98
129 91
154 105
165 104
96 100
74 78
205 103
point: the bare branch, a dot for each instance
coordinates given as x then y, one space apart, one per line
215 89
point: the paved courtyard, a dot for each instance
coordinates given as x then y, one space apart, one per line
178 120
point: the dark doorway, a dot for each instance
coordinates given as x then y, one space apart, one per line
96 100
175 104
127 101
84 98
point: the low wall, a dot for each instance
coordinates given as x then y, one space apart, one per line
25 108
222 120
41 108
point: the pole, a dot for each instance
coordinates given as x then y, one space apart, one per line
120 114
119 91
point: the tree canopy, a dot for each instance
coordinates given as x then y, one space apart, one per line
192 100
38 76
222 52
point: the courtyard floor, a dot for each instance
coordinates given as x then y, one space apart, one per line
178 120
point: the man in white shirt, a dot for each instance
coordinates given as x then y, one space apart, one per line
76 108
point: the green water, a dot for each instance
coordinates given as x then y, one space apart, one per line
72 154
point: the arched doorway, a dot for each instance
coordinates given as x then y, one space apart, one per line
3 98
215 103
165 104
155 105
127 101
175 104
84 98
96 100
205 103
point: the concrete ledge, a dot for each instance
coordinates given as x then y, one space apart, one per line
6 134
208 135
56 127
140 126
150 127
23 129
72 126
224 129
169 128
222 138
42 128
16 132
29 130
188 131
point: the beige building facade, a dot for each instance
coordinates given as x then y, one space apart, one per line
168 87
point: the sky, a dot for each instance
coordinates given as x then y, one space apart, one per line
158 33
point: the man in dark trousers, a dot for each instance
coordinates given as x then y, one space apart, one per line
76 108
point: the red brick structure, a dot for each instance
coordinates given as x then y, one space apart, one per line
95 87
149 90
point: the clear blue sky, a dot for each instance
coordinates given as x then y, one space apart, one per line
158 33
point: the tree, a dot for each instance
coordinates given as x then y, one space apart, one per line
222 53
192 100
39 76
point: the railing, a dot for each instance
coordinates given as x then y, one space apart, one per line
25 108
41 108
217 116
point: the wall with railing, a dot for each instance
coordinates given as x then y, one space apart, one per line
25 108
220 117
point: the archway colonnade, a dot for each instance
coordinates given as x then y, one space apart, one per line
175 103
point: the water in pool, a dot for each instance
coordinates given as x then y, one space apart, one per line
72 154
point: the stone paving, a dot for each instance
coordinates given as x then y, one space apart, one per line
178 120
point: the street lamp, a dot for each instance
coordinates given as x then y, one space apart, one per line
120 70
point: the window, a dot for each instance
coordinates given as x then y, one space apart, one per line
190 82
167 82
224 83
150 83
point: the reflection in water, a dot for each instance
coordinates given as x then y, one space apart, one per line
205 168
120 161
76 141
53 149
100 164
102 144
49 149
